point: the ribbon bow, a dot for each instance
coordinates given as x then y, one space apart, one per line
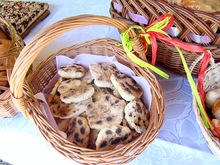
157 30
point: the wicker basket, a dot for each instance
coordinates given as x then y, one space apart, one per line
190 25
7 108
211 81
46 71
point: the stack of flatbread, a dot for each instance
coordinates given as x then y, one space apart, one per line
98 108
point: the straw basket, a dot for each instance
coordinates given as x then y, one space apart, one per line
7 108
46 71
211 81
194 27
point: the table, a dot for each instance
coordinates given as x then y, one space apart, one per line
180 140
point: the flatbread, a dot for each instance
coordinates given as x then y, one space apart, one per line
127 87
71 71
109 137
78 131
105 112
101 73
73 91
136 115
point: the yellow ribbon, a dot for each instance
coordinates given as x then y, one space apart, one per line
127 45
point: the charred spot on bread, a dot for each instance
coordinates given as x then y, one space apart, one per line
108 132
103 144
82 130
107 98
118 131
80 122
109 119
99 122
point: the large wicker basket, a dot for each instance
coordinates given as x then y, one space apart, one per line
46 71
211 81
7 108
192 27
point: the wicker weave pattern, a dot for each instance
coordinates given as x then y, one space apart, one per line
7 108
47 69
195 22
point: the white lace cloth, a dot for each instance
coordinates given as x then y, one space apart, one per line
180 141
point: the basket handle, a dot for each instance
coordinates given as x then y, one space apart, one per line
33 48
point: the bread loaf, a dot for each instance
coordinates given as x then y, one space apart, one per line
211 97
216 109
209 6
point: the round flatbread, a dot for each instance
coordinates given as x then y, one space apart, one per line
73 91
136 115
109 137
78 131
71 71
127 87
64 110
105 112
101 73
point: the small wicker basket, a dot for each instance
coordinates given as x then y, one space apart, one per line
7 108
191 26
211 81
46 71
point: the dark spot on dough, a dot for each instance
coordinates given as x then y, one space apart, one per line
114 67
73 124
69 133
128 90
138 108
108 132
122 84
118 130
117 101
53 102
57 93
68 81
76 136
107 98
79 70
125 137
100 78
109 119
134 82
104 91
90 106
99 122
80 122
137 124
82 130
116 141
85 90
103 144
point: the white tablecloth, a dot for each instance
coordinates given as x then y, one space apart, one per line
180 141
